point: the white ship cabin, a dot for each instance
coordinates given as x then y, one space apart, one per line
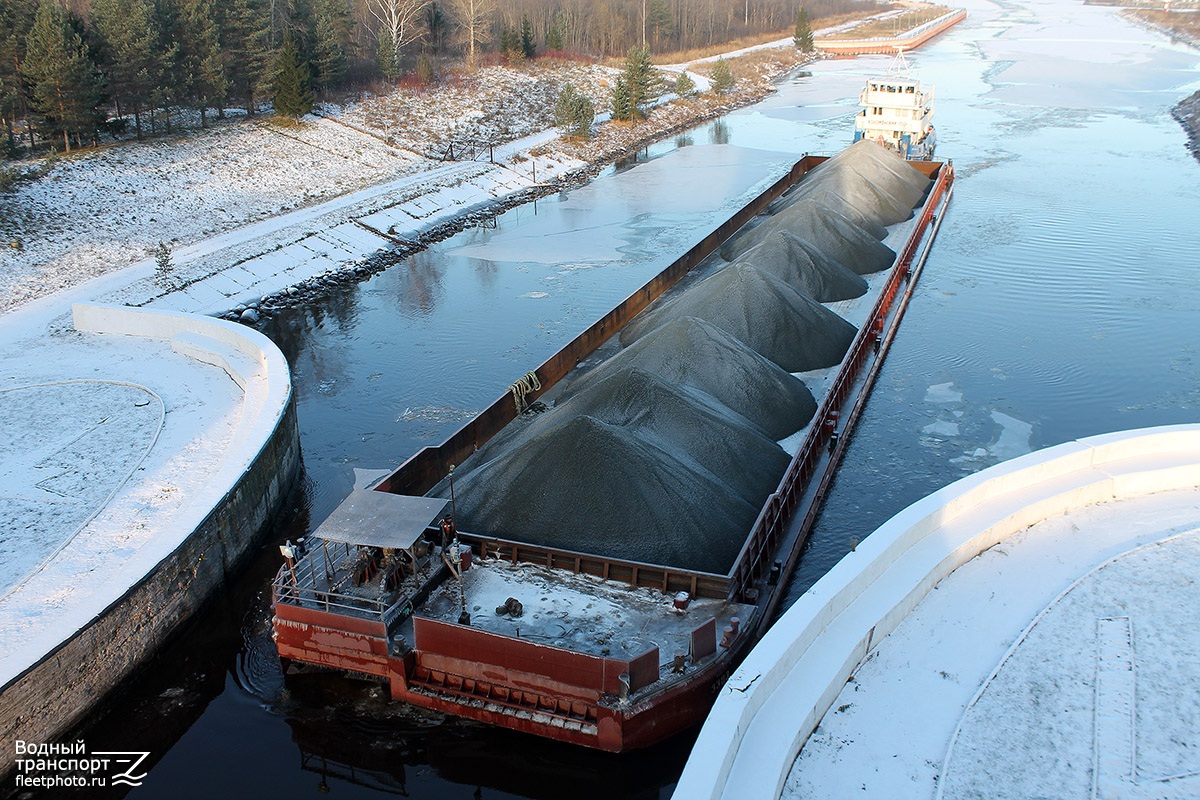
897 113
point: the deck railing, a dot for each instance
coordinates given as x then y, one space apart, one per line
299 586
633 573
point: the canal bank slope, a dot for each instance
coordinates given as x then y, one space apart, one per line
244 191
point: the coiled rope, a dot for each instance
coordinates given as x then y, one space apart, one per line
525 386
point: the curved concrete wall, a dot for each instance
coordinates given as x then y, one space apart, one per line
779 694
57 692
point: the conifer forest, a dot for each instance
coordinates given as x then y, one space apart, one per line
73 71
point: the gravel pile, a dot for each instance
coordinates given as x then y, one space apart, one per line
665 452
693 353
805 268
824 228
581 484
762 312
874 180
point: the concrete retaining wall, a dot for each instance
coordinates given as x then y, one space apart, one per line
55 694
777 697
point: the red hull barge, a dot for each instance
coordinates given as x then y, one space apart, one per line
640 668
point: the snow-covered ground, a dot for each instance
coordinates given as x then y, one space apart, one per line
100 211
103 210
1059 663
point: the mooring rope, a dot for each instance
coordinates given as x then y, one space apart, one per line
524 386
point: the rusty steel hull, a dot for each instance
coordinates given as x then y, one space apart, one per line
546 701
608 703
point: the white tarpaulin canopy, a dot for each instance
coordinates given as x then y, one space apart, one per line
381 519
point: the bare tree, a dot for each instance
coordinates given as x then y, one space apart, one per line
400 24
474 17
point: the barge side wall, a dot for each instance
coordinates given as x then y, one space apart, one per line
59 692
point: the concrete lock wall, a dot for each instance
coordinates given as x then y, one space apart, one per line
57 693
779 694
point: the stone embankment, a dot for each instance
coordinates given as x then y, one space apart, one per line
1180 27
1187 111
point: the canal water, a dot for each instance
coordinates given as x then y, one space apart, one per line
1060 301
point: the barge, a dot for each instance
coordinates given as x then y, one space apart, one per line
594 649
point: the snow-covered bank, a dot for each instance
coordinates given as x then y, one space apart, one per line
102 211
142 437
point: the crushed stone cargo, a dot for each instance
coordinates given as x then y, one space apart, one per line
761 311
826 229
876 181
805 268
687 423
695 353
619 496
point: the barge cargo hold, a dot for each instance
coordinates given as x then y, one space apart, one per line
599 650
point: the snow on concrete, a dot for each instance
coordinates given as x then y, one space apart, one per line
1001 662
135 479
872 687
579 612
69 447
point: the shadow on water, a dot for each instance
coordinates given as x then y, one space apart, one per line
719 132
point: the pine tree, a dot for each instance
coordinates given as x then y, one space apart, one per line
684 85
510 44
621 101
244 34
574 113
528 45
804 35
554 37
386 55
201 65
331 40
16 18
435 21
171 91
293 97
636 83
133 43
722 77
65 84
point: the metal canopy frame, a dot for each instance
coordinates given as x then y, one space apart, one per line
380 519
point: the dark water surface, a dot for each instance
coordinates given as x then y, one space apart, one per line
1061 301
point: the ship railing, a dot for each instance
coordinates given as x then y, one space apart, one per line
777 513
633 573
283 590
